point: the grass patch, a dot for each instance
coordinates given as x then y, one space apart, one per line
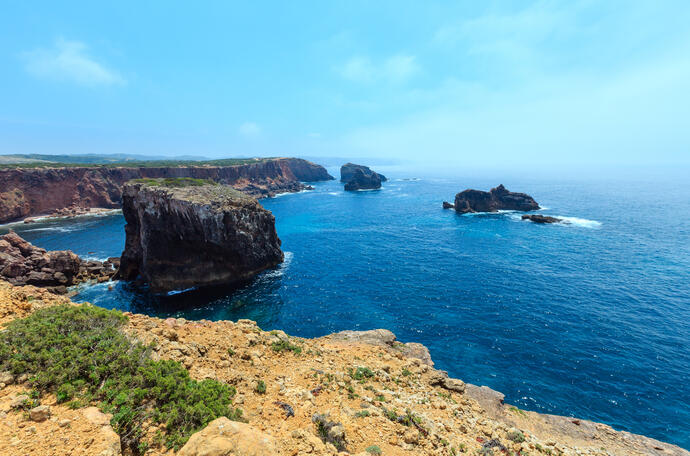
516 436
374 449
362 414
80 354
517 411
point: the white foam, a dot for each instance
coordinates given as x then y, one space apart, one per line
282 267
579 222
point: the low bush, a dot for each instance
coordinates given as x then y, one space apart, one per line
80 354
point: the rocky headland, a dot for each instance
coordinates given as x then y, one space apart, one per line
359 177
71 190
361 393
184 233
22 263
498 198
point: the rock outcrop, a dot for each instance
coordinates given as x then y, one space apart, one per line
22 263
28 192
447 205
538 218
496 199
192 236
358 177
222 437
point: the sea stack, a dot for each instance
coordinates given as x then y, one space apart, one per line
359 177
496 199
183 233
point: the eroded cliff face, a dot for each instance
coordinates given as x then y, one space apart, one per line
178 238
34 191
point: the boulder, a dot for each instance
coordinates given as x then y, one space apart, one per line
188 234
496 199
40 413
447 205
538 218
358 177
223 437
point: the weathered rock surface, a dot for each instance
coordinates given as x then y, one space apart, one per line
178 238
73 190
358 177
538 218
22 263
496 199
223 437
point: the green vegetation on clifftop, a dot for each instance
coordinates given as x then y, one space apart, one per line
80 354
175 182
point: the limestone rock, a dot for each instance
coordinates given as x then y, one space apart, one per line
40 413
223 437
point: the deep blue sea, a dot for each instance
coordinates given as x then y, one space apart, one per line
590 319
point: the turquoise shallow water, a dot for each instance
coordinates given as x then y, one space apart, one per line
590 319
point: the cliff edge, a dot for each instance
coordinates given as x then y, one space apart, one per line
361 393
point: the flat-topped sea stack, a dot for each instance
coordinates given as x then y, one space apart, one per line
183 233
497 199
51 189
359 177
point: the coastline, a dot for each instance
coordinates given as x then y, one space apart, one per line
239 353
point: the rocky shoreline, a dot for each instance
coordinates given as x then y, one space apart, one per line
354 392
22 263
67 191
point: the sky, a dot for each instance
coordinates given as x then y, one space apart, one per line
463 82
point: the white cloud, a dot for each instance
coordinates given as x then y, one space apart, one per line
396 68
249 129
69 61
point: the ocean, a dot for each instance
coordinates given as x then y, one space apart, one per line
589 319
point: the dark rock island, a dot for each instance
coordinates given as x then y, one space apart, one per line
538 218
184 233
22 263
358 177
496 199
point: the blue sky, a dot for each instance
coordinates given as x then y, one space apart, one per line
477 83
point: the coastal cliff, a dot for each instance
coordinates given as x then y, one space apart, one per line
353 392
184 233
26 192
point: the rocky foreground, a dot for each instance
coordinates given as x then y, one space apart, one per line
357 393
28 192
184 233
22 263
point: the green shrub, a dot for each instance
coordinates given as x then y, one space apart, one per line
374 449
516 436
260 387
362 414
283 345
80 354
361 373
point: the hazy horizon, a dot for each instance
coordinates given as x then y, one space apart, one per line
498 84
